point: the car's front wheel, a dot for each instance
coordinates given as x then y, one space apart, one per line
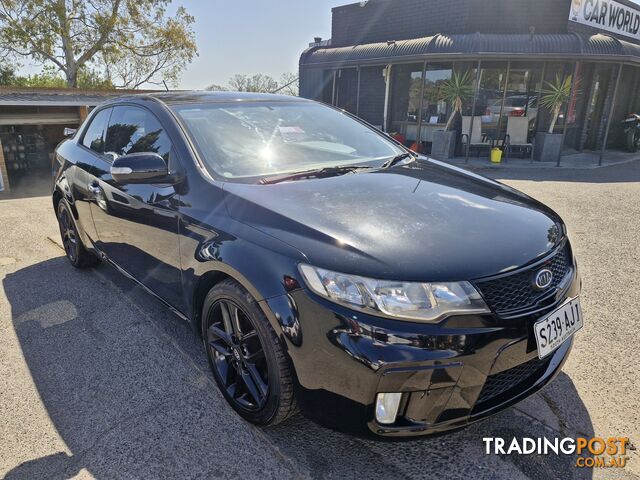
245 356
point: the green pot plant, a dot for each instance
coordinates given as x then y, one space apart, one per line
455 91
548 145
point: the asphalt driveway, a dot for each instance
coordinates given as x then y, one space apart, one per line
97 379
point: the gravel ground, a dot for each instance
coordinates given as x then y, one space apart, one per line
99 380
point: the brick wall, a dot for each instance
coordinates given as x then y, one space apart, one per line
382 20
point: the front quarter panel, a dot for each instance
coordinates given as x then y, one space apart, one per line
213 243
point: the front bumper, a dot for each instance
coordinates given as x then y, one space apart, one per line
451 374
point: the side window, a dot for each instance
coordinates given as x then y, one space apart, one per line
94 135
135 130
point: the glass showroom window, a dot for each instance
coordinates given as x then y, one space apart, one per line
406 91
490 96
435 106
346 96
448 99
522 99
625 104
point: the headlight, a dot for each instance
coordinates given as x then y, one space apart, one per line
427 302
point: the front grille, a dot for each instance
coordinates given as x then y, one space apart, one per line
515 292
502 382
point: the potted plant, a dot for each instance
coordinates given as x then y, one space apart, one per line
548 145
454 91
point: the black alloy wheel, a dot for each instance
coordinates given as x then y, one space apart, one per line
245 356
68 234
78 256
238 355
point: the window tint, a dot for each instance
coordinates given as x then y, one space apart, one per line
135 130
94 136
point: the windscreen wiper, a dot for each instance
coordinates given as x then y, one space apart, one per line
397 159
317 173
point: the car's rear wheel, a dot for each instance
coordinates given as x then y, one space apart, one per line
245 356
76 253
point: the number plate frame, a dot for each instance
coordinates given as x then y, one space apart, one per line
558 327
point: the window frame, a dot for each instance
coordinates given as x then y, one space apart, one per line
171 161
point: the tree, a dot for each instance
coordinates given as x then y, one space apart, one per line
128 42
255 83
456 90
50 78
554 96
289 84
260 83
7 75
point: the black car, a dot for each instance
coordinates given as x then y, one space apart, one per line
326 267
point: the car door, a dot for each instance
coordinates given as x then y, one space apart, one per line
137 225
89 148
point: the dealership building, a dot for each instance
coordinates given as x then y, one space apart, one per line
528 73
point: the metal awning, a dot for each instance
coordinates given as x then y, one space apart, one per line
478 45
53 99
59 97
48 118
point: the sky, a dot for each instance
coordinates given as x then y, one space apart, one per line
252 36
247 37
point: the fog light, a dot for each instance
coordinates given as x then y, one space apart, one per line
387 406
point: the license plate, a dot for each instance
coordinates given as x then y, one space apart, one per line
553 330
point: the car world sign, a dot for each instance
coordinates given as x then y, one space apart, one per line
607 15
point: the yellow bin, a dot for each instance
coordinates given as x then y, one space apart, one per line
496 155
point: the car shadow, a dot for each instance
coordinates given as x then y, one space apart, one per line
124 382
556 412
126 385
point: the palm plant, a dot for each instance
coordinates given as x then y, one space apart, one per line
554 96
456 90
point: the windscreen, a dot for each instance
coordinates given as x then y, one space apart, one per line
244 140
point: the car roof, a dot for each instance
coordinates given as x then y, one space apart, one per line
212 97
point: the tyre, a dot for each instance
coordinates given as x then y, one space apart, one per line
633 140
76 253
245 356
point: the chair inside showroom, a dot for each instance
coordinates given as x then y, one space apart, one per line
474 140
517 138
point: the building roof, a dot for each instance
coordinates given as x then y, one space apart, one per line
567 45
57 97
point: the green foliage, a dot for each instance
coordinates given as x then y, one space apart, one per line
50 78
556 93
455 91
128 42
554 96
7 75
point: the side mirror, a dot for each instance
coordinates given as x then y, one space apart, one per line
141 168
69 132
